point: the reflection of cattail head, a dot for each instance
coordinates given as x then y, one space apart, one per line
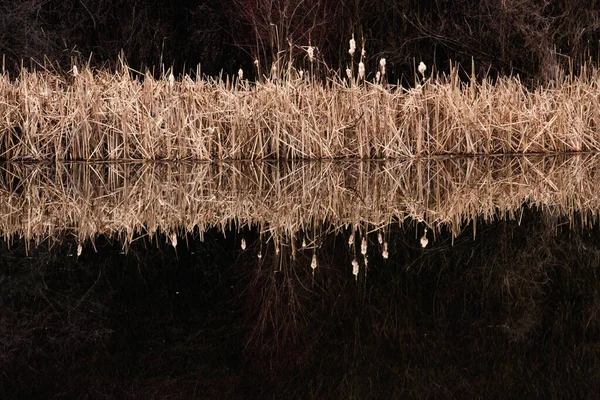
355 268
243 244
363 246
424 240
313 263
174 240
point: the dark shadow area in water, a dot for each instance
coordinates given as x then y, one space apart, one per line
513 311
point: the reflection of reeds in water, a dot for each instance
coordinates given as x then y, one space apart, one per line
40 201
100 115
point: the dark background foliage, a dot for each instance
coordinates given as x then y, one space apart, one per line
529 37
511 313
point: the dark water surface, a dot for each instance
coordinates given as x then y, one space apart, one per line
504 300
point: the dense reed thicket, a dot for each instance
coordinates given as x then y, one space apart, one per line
290 203
98 115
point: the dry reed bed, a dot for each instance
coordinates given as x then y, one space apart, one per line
98 115
43 202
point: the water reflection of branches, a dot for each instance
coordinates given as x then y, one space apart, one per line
469 317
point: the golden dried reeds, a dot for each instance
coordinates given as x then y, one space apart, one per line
287 200
98 115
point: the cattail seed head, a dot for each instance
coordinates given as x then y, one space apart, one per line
378 76
171 80
382 66
240 74
75 70
352 47
349 73
422 68
361 70
311 53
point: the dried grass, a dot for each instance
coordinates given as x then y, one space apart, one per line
98 115
42 201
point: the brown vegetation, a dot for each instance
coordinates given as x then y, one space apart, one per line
40 202
97 115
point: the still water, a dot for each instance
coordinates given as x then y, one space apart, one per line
440 278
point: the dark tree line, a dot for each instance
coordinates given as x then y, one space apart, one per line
528 37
